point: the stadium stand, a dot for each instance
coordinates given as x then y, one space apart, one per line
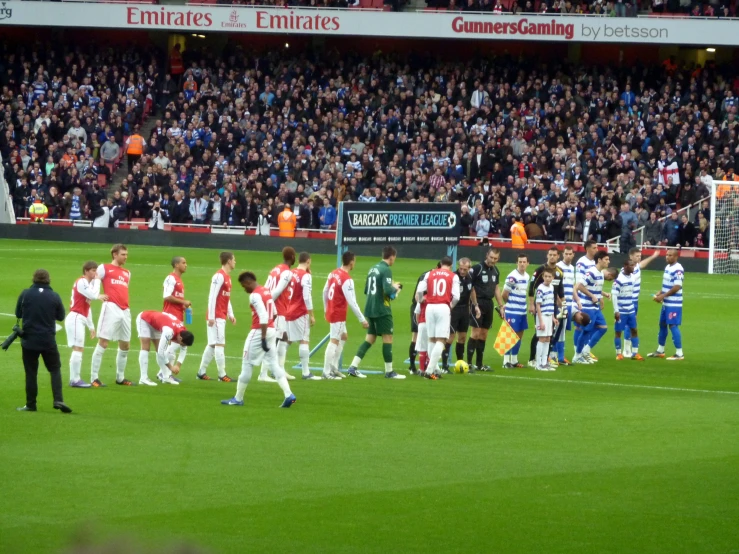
577 152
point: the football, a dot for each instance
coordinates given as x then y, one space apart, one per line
461 367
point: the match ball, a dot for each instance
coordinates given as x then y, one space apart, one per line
461 367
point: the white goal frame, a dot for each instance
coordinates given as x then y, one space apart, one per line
712 224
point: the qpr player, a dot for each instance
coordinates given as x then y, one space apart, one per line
115 316
278 283
671 298
260 343
338 293
85 289
163 329
622 294
442 294
219 310
175 304
514 294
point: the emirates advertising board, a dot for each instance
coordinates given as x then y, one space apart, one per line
355 22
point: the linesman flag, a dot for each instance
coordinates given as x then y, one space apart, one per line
506 339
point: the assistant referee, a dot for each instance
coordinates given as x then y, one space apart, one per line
485 279
559 291
40 307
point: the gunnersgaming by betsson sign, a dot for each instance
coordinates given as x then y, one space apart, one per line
372 222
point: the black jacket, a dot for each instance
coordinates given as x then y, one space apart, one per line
39 307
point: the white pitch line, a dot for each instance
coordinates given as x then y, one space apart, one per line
522 378
607 384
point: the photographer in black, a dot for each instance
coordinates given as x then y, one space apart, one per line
39 307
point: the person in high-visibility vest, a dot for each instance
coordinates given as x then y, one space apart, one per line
518 234
38 211
134 148
287 222
176 66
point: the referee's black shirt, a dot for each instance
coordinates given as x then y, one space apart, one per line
485 280
465 290
558 281
39 307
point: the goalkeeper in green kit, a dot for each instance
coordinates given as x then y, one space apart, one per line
380 290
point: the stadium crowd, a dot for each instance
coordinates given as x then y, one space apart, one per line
573 152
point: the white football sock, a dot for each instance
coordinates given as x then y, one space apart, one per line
389 367
507 359
338 353
304 353
679 352
120 364
356 361
282 353
243 381
436 352
75 366
97 360
329 356
660 349
144 363
281 377
220 355
208 354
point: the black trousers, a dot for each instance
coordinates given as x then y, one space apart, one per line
53 365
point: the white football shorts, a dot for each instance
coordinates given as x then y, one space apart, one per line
438 320
548 327
145 330
114 323
299 329
336 330
255 355
217 333
76 326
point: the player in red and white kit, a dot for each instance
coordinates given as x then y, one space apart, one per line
299 315
163 329
278 283
175 304
115 316
260 346
442 294
422 338
338 293
219 310
79 318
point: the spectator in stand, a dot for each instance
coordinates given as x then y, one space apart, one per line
482 226
628 222
327 215
265 222
671 230
572 228
109 152
465 221
686 232
588 226
157 217
198 208
179 208
653 230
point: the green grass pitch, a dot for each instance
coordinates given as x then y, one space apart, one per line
613 457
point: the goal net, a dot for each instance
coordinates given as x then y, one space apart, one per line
724 228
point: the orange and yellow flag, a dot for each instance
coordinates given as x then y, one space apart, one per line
506 339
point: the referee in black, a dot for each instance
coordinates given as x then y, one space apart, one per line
40 307
460 320
485 280
559 291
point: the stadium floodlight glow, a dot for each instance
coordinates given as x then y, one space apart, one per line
710 49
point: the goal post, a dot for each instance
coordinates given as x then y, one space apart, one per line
723 240
380 224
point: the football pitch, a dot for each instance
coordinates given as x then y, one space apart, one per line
612 457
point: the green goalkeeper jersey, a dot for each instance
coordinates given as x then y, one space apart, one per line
379 290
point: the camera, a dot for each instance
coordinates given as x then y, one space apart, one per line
17 332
